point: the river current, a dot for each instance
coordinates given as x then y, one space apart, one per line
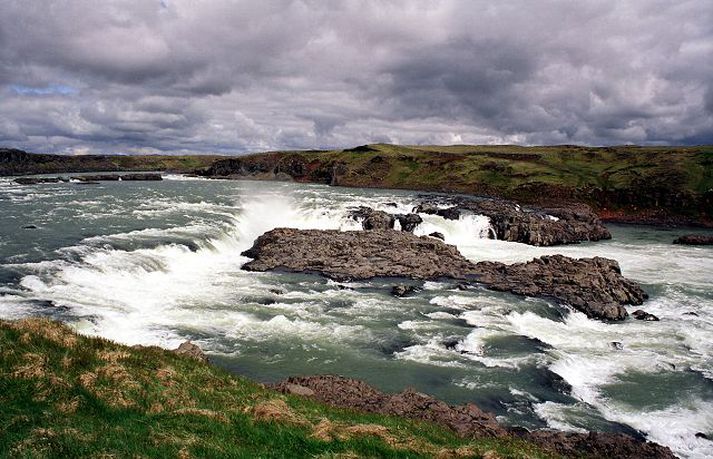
157 263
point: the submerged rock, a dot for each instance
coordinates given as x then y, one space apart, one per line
643 315
593 286
37 180
467 420
695 239
402 290
90 179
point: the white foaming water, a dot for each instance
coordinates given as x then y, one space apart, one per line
138 296
583 356
462 232
158 295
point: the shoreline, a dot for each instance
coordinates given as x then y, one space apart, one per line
113 373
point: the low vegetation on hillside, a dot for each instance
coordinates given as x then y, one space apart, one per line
66 395
645 183
624 183
17 162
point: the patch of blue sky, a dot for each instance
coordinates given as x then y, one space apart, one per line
51 89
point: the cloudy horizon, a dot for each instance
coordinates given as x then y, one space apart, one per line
178 76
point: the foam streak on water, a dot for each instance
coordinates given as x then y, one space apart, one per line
159 263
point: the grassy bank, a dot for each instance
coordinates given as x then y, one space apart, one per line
16 162
669 185
642 184
66 395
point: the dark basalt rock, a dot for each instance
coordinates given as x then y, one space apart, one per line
409 222
643 315
115 178
467 420
89 179
373 219
594 286
38 180
597 444
451 342
349 255
528 225
449 213
438 235
402 290
694 239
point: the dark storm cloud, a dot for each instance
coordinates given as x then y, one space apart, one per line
233 76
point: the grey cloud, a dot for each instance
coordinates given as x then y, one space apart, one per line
236 76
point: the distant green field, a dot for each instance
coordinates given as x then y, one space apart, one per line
645 184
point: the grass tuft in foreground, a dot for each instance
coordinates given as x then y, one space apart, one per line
66 395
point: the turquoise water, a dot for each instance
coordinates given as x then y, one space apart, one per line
159 263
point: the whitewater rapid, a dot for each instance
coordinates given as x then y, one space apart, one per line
158 264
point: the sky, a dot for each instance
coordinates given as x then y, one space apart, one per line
199 76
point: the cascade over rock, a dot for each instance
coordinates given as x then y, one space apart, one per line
528 225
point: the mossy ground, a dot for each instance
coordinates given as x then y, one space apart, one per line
66 395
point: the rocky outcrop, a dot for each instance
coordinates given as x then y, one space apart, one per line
348 255
402 290
89 178
528 225
466 420
597 444
409 222
191 350
372 219
643 315
695 239
593 286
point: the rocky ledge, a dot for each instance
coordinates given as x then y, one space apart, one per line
528 225
466 420
89 178
695 239
593 286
